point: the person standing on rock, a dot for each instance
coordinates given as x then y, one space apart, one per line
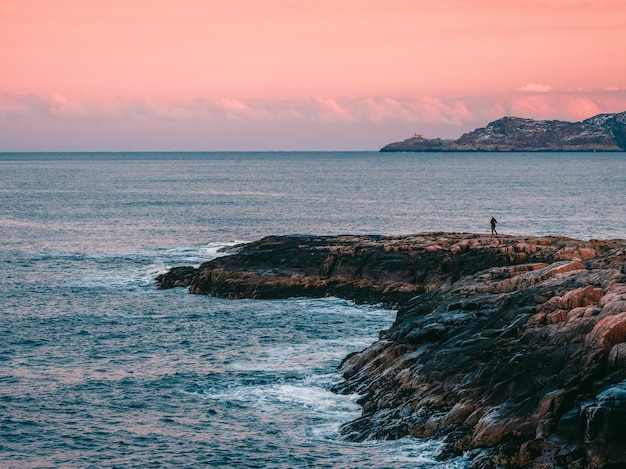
493 225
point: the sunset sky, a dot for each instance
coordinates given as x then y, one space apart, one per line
116 75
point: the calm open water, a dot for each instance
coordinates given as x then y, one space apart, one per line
100 369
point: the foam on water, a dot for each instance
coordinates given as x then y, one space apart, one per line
132 269
195 255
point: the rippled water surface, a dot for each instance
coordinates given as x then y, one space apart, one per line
100 369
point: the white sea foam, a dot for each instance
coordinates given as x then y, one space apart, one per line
277 398
329 412
134 269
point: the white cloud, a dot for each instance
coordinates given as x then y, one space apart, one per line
331 110
535 88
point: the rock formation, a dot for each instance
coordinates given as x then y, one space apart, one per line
510 349
604 132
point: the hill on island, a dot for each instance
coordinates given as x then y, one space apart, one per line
604 132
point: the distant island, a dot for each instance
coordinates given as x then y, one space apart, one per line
604 132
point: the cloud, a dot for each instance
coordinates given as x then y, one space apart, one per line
535 88
238 109
35 121
330 109
62 106
429 110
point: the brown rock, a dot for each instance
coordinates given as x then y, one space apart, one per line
512 348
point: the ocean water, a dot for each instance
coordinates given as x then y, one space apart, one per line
100 369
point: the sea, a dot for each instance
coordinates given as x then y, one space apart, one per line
99 368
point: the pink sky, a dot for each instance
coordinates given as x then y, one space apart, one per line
297 74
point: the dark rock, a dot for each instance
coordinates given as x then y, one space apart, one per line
605 426
511 349
605 132
177 277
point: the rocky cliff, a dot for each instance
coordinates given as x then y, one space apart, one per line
605 132
511 349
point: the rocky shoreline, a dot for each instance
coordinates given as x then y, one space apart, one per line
511 349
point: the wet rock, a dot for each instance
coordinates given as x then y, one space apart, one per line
511 349
605 427
177 277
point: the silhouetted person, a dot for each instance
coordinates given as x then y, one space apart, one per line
493 225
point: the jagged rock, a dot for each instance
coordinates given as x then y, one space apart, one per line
512 349
177 277
604 132
605 427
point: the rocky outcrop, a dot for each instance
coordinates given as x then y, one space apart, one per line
605 132
511 349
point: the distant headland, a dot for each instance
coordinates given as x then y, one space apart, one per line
604 132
